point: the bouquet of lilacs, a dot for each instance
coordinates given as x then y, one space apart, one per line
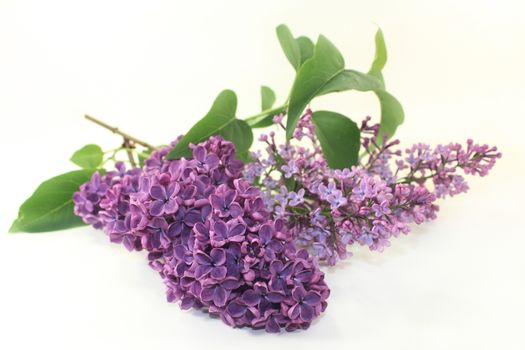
242 232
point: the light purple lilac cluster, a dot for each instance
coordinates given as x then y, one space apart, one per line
328 210
211 238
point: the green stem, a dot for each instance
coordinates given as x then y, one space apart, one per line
254 118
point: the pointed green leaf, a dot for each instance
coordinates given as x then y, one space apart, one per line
267 98
351 80
380 54
392 114
88 157
220 120
380 58
326 63
306 47
289 45
339 138
50 207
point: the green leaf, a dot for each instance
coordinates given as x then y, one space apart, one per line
245 156
50 207
326 63
339 138
392 114
265 118
289 45
379 59
267 98
220 120
240 133
351 80
306 47
88 157
290 183
381 55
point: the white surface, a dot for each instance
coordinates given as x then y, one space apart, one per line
154 67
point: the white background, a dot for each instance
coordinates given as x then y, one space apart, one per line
153 68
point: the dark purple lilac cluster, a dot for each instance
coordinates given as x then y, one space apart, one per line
328 210
210 237
104 200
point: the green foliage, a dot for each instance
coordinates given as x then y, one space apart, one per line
265 118
339 138
306 46
88 157
267 98
289 45
380 55
320 70
50 207
325 64
220 120
351 80
392 114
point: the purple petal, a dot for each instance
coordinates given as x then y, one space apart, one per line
298 294
218 273
189 192
275 297
207 294
229 197
251 298
306 312
158 192
231 283
293 312
276 266
235 210
220 296
265 232
129 242
235 309
173 189
237 230
202 258
156 208
187 303
304 276
218 256
287 269
175 229
179 251
201 229
180 268
171 206
202 270
272 326
312 298
216 202
199 153
192 217
220 229
212 161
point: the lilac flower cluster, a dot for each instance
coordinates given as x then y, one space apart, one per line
210 237
104 200
327 210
